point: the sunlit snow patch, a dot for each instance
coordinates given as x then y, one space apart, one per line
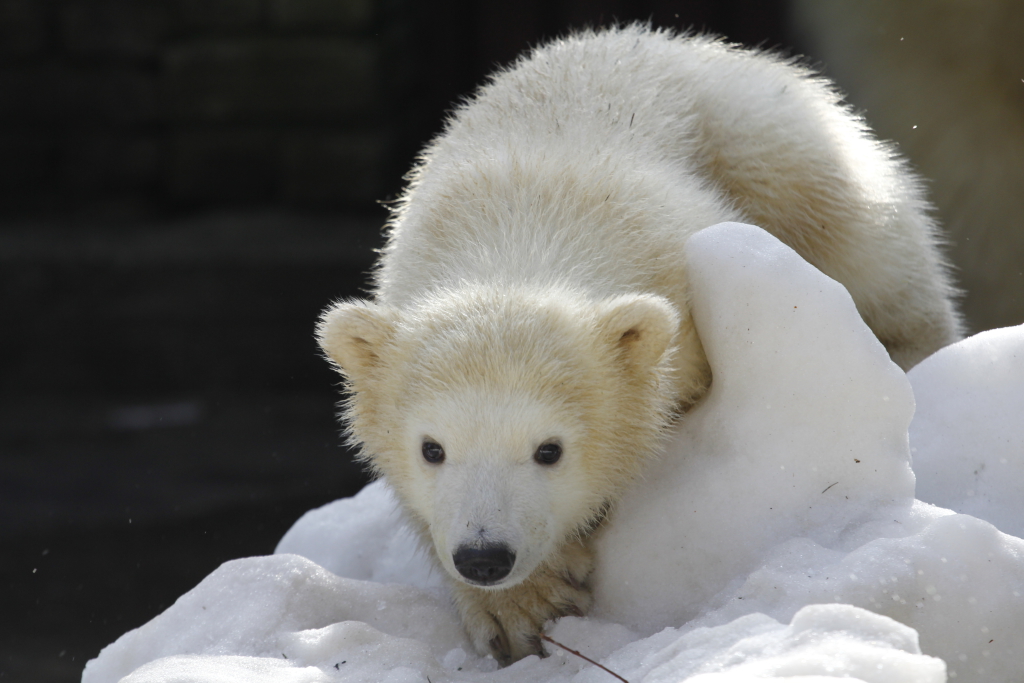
788 487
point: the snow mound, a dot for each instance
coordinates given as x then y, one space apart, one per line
264 607
778 537
967 437
803 434
364 537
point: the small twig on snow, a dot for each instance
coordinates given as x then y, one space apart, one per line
582 656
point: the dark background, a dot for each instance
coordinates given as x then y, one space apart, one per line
184 185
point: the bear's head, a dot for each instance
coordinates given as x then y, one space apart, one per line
506 421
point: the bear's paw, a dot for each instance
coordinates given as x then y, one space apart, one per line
507 623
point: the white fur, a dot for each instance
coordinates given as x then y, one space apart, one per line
533 290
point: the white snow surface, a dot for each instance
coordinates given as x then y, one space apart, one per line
777 538
967 437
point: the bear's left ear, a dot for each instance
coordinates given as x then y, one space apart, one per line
353 334
641 326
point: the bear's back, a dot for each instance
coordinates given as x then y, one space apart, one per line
588 164
575 167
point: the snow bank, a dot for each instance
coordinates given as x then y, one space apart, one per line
265 616
284 618
823 640
803 434
803 439
364 537
777 537
967 437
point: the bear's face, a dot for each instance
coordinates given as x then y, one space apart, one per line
506 421
500 477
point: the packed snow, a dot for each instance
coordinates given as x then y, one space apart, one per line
777 537
968 456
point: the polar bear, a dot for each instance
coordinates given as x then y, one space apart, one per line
529 338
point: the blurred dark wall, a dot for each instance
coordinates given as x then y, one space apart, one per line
122 107
127 108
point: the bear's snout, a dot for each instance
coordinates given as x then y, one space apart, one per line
485 565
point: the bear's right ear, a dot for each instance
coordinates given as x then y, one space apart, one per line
352 333
640 327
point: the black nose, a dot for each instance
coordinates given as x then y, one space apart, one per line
485 566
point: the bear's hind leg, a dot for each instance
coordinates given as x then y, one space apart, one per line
781 146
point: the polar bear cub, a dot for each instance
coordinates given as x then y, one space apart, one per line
529 338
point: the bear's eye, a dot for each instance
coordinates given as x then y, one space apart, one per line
548 453
432 452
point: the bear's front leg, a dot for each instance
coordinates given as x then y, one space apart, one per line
508 622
